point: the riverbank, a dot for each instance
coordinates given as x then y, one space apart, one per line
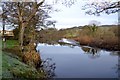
13 65
103 37
110 45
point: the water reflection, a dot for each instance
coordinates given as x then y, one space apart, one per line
115 53
117 66
69 45
48 66
93 52
73 62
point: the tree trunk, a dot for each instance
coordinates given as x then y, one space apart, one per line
21 34
3 34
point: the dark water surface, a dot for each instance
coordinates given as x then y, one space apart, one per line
81 62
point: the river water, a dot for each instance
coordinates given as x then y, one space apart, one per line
81 61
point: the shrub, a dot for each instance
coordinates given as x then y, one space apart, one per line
85 40
32 58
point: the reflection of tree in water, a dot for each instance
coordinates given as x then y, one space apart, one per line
93 52
115 53
117 66
49 68
66 44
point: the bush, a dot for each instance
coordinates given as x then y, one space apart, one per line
85 40
32 58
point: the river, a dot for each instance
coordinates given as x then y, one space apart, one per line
80 61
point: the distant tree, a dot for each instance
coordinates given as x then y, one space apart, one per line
93 25
98 6
94 22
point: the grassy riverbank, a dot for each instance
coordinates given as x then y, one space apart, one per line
12 65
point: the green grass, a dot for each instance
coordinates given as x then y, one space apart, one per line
12 67
10 43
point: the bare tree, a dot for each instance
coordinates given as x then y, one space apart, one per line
97 7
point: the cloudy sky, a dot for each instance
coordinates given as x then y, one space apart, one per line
74 16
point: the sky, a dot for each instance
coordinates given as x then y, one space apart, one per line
72 16
68 17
